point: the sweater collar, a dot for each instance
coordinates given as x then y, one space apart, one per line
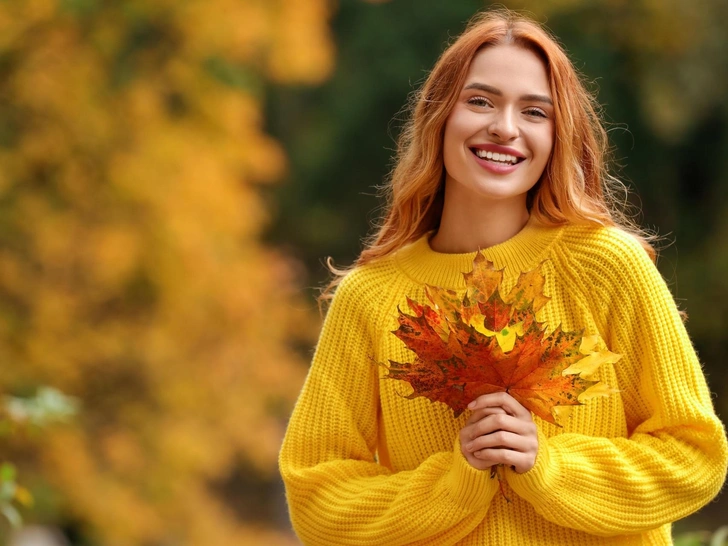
522 252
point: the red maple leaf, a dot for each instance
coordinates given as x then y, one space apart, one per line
483 343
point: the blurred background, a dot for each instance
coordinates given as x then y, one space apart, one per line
173 173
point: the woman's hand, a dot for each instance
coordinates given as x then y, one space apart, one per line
499 431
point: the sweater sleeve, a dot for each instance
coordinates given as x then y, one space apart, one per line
674 459
336 490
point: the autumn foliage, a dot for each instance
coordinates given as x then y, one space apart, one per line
132 276
485 342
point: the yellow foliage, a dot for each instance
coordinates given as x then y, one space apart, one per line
131 271
300 49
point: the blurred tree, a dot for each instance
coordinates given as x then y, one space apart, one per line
661 75
48 406
340 136
132 149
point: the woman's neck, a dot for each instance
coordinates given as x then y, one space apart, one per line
470 225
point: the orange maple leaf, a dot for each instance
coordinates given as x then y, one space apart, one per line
484 343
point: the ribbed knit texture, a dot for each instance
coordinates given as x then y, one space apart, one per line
363 465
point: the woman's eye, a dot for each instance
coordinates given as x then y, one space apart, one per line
478 101
536 112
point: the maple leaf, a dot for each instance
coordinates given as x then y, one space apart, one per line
483 343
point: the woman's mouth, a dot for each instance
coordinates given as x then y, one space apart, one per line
502 159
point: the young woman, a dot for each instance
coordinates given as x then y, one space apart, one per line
504 152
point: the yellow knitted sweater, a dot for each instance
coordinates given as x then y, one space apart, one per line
364 465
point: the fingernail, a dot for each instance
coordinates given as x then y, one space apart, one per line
469 446
472 404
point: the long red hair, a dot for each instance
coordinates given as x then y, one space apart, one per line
575 186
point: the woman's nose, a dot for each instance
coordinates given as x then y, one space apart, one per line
504 125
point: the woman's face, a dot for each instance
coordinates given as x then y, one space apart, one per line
499 135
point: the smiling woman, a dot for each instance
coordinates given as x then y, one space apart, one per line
504 154
498 139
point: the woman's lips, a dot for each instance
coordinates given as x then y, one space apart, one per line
496 167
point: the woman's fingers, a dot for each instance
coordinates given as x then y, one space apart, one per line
502 439
478 414
499 431
520 462
502 400
475 462
498 422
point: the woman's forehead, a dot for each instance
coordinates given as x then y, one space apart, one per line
509 68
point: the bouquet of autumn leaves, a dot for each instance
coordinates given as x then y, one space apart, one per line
484 343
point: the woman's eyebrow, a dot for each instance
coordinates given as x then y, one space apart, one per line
534 97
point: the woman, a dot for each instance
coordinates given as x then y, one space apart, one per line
504 152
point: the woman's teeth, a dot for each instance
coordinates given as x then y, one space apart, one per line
499 158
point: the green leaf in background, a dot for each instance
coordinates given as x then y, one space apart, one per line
7 472
720 537
11 514
703 538
8 490
49 405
